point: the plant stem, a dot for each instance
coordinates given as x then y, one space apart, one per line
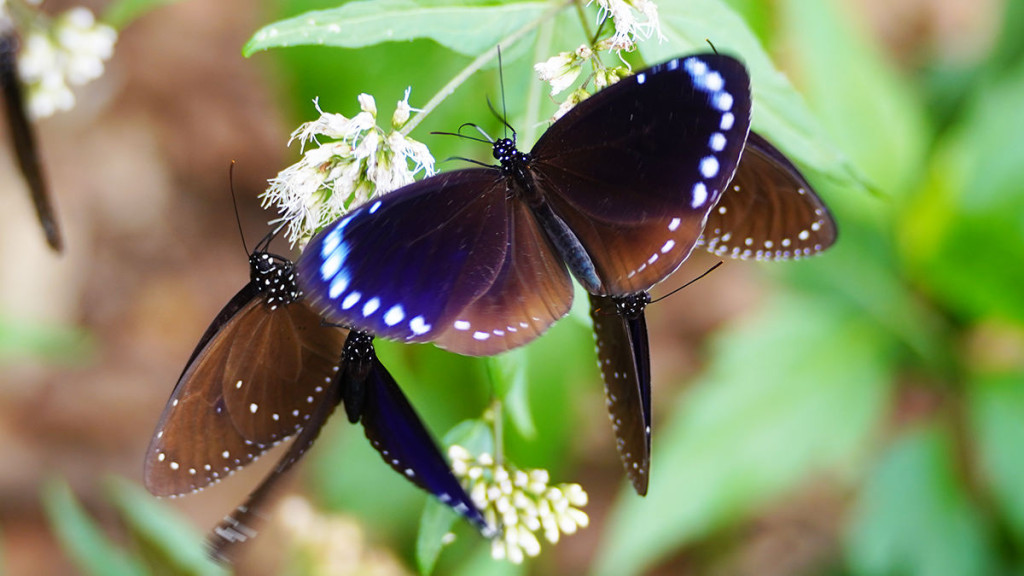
477 64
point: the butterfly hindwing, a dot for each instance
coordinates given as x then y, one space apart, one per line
769 212
402 440
243 523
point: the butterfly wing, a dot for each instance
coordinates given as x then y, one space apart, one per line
450 259
244 521
209 428
395 431
769 211
624 359
635 169
24 138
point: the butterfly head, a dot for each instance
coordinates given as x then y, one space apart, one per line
632 305
511 159
275 277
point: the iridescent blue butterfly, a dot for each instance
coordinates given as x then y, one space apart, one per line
268 369
617 191
769 212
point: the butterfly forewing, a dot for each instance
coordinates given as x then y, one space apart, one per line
624 360
395 431
271 399
530 293
635 169
405 266
769 211
207 429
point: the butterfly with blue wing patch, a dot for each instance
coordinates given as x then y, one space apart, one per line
769 212
478 260
269 368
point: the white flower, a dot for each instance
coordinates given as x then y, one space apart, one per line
522 500
70 50
634 20
575 97
361 161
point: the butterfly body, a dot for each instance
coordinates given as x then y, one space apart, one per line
478 260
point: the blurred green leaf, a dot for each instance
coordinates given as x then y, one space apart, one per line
868 108
167 541
997 415
437 519
796 390
468 30
82 538
480 563
121 13
965 228
779 112
53 344
913 517
435 523
508 375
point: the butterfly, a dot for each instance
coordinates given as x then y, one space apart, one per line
268 368
477 261
768 212
23 137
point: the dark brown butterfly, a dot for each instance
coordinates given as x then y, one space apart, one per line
268 368
768 212
22 135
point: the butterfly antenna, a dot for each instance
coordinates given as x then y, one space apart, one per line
234 202
708 271
504 109
470 160
485 140
500 117
713 49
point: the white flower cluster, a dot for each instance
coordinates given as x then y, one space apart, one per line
361 161
522 501
634 20
332 544
562 70
70 50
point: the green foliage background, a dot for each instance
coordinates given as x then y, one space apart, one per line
923 293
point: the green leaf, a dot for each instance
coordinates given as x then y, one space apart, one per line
795 391
856 92
913 517
997 416
122 12
167 541
83 540
964 227
54 344
435 523
779 112
508 375
468 30
437 519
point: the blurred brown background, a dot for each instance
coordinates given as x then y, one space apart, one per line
139 171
